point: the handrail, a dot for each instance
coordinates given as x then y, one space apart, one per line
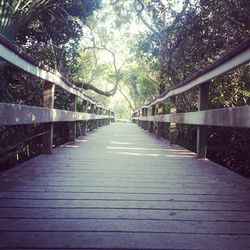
16 56
24 114
233 59
15 114
224 117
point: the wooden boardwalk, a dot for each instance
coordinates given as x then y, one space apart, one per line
120 188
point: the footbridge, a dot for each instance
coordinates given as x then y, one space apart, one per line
118 185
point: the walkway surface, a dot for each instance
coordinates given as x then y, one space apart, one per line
120 188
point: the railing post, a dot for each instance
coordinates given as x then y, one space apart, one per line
101 120
151 123
90 122
96 113
139 121
106 113
146 122
97 122
143 114
101 123
173 127
48 100
109 114
93 113
84 123
72 125
202 130
160 125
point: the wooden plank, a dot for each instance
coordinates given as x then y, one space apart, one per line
133 214
124 225
238 117
124 196
120 204
171 185
137 192
13 114
118 240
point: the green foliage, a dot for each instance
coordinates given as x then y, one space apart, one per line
231 90
36 17
230 148
50 31
141 88
196 39
186 42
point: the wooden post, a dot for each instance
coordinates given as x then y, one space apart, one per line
90 122
48 100
84 123
146 122
139 121
97 122
72 125
107 121
143 122
101 122
95 111
92 111
151 124
160 125
110 116
201 149
173 127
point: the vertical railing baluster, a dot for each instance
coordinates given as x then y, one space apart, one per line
84 122
160 125
151 123
202 130
72 125
173 127
48 101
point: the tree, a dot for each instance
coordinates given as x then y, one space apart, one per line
28 23
50 31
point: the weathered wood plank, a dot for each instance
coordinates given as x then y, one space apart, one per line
125 196
120 204
124 225
113 240
238 117
137 192
13 114
136 214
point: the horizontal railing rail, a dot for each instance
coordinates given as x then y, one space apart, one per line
93 116
152 114
17 57
23 114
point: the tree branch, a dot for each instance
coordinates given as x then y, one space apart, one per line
144 21
89 86
128 101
